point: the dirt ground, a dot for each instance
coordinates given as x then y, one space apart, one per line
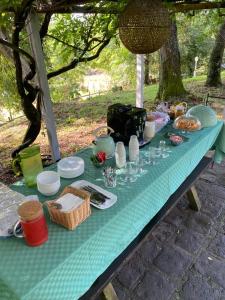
75 123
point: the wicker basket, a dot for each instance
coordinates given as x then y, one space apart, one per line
73 218
144 26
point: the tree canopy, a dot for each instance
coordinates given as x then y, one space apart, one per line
71 32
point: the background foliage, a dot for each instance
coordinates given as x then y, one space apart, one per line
196 38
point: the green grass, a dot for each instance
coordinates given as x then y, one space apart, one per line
75 120
150 92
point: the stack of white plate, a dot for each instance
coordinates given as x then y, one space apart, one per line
70 167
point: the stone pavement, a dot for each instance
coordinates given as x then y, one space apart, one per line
184 256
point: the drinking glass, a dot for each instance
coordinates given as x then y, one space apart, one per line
163 149
129 172
151 156
109 175
140 163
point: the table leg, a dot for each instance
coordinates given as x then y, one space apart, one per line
109 293
194 201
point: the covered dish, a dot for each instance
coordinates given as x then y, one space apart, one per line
187 123
205 114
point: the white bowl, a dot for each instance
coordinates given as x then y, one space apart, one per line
48 183
70 167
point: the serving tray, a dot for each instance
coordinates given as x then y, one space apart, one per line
108 202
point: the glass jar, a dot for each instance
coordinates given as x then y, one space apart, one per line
32 222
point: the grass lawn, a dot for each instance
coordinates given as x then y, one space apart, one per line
76 120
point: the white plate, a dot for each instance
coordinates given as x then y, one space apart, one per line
108 202
144 142
70 167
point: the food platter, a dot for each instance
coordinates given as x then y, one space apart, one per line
187 129
185 123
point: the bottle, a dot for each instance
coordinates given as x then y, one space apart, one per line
120 154
133 148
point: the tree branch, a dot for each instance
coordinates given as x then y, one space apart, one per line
62 42
78 9
44 26
74 63
26 91
19 50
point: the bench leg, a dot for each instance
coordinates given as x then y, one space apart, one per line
109 293
194 201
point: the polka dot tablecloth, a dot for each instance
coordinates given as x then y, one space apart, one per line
65 267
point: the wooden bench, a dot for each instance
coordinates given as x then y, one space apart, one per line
102 287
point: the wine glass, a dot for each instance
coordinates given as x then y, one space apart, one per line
163 149
140 163
151 156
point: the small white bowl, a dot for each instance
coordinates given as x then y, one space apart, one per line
48 183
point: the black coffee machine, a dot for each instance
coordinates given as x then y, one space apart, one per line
126 120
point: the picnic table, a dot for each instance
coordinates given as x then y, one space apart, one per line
70 262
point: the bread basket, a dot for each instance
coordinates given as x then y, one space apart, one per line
72 218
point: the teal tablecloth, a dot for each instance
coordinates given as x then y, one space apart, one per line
220 146
67 265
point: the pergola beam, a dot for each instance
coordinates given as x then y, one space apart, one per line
33 28
75 7
140 81
176 7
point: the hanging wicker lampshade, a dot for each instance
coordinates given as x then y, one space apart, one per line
144 26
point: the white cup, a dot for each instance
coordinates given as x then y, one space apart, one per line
48 183
149 131
120 155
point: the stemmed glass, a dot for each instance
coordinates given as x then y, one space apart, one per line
140 163
163 149
151 156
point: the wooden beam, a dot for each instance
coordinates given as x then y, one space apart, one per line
109 293
178 7
175 7
140 81
92 9
33 28
194 201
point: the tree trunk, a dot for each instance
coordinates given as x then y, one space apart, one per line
170 81
215 61
147 69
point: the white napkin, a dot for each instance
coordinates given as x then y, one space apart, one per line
69 202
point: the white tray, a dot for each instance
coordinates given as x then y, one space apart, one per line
108 202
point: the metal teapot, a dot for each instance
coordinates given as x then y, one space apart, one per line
104 143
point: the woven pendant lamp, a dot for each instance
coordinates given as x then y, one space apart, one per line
144 26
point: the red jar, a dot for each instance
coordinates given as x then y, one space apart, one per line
33 223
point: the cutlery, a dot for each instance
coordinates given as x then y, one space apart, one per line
96 197
93 190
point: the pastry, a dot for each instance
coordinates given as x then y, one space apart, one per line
187 123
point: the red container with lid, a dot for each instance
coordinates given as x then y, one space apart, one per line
33 223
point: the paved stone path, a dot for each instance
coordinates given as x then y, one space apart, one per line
184 256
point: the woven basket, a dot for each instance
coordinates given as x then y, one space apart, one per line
73 218
144 26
